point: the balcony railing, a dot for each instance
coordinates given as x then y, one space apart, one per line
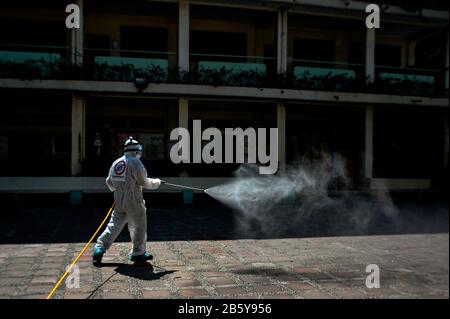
234 70
326 75
414 80
126 65
51 62
31 61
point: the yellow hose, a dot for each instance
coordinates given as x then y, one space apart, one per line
81 253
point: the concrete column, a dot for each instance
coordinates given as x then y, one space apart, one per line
183 121
370 55
183 112
183 35
446 66
77 41
368 154
446 140
282 41
281 124
78 134
411 53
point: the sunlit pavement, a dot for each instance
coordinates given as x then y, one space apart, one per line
411 266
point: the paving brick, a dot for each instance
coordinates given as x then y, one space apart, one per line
315 294
180 283
20 267
117 295
115 286
409 288
299 286
236 290
220 281
350 293
76 295
7 291
266 289
153 284
189 293
34 296
212 274
39 289
156 294
48 272
253 279
278 296
44 280
48 265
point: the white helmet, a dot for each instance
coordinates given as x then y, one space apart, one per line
131 145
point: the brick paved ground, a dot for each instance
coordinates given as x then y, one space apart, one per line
411 266
199 254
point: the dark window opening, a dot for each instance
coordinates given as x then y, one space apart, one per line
33 33
142 39
356 53
314 50
407 143
217 43
388 55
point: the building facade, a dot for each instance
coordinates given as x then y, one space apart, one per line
377 97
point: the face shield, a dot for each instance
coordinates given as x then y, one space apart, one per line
139 151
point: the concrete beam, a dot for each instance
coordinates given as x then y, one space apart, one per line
399 184
109 87
97 184
336 8
94 184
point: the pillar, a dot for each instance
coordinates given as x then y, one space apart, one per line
77 44
368 154
78 134
282 42
370 55
281 125
183 36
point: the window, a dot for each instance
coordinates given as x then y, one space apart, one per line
355 53
388 55
314 50
407 142
220 43
143 39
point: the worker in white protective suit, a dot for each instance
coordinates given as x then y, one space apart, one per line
127 177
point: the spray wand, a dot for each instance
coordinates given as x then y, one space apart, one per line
182 186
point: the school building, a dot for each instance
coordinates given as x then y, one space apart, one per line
69 97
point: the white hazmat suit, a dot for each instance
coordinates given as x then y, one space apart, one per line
127 177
